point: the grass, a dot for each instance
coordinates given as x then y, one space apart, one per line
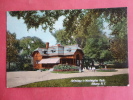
104 70
116 80
65 72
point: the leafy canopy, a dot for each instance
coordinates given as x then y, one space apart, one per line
29 44
80 25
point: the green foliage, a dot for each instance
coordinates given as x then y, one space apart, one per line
74 18
19 51
44 69
63 38
121 65
65 72
29 44
106 70
81 26
14 67
64 67
116 80
33 19
12 45
12 49
97 48
118 44
27 67
119 50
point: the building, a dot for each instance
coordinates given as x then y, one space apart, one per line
49 56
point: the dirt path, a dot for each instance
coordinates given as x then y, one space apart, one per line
25 77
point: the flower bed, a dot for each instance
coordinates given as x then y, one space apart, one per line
64 67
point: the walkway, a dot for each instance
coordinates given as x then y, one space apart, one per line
25 77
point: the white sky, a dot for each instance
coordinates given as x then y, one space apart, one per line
19 27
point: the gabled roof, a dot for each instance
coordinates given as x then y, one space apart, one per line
41 50
58 50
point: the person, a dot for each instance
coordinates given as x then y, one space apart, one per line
81 66
105 66
89 68
93 68
80 70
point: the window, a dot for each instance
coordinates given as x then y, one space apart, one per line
37 61
45 52
69 49
53 50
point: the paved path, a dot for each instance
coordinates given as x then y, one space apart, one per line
25 77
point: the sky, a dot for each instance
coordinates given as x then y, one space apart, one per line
19 27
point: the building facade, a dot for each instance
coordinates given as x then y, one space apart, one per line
45 58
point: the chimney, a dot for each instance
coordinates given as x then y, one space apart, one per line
58 45
47 45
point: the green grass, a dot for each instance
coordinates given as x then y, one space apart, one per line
65 72
116 80
106 70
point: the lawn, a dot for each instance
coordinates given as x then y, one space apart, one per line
106 70
65 72
116 80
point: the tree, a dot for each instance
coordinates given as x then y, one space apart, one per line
34 19
12 49
29 44
118 43
19 51
63 38
74 19
97 48
119 50
81 24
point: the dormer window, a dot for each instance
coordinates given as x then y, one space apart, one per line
69 49
53 50
45 52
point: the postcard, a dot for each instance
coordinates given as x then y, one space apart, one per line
67 48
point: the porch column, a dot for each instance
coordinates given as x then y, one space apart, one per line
61 61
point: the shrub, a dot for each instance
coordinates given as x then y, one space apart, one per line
121 65
28 67
64 67
44 69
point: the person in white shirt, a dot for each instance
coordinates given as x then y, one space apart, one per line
93 69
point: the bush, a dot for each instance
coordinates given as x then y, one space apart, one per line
118 65
64 67
28 67
121 65
44 69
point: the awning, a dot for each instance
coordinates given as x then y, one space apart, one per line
50 61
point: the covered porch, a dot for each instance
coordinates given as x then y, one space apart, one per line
49 62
